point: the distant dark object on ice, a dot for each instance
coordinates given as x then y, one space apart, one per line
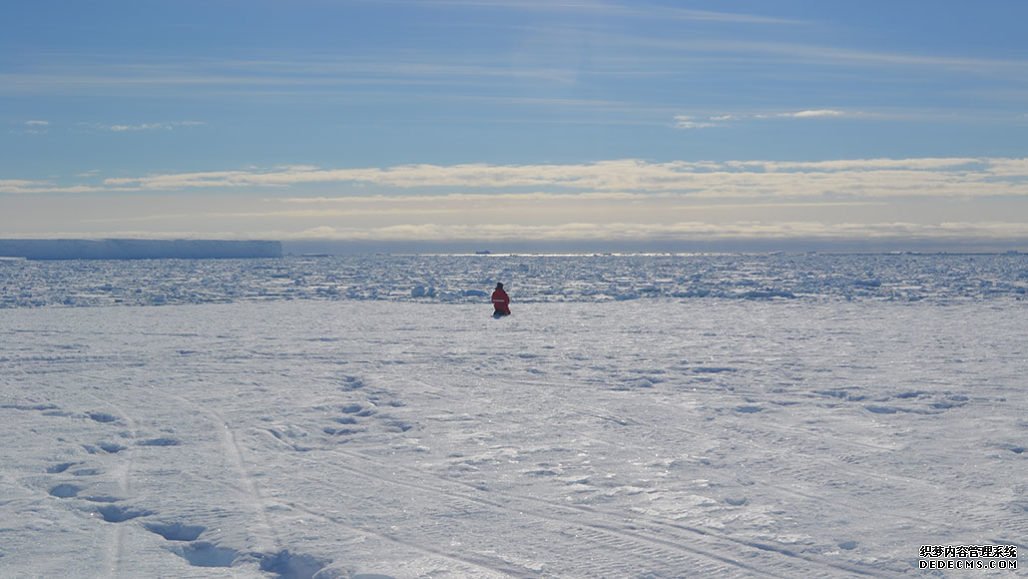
138 249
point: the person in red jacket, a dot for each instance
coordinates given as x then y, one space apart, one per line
501 301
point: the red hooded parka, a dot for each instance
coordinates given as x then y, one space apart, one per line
501 301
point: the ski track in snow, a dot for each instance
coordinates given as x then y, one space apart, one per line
652 438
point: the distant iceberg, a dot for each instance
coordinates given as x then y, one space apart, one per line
138 249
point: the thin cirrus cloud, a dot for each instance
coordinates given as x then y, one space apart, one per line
719 120
32 127
133 128
598 8
626 54
811 53
341 74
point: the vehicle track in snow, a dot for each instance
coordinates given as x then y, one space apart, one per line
115 554
855 470
767 444
465 564
615 542
861 472
265 539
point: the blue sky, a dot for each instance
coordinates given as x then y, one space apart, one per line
494 121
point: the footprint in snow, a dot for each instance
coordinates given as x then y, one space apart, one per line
398 425
358 410
120 514
342 431
748 409
351 383
106 447
205 554
102 417
65 491
163 441
290 565
877 409
175 531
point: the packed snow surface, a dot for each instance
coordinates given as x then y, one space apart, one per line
809 416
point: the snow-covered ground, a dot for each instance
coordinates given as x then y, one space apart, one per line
418 437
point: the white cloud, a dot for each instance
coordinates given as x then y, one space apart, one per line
685 231
1010 168
687 122
625 199
143 127
32 127
30 187
691 122
18 185
679 231
126 128
817 113
856 178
